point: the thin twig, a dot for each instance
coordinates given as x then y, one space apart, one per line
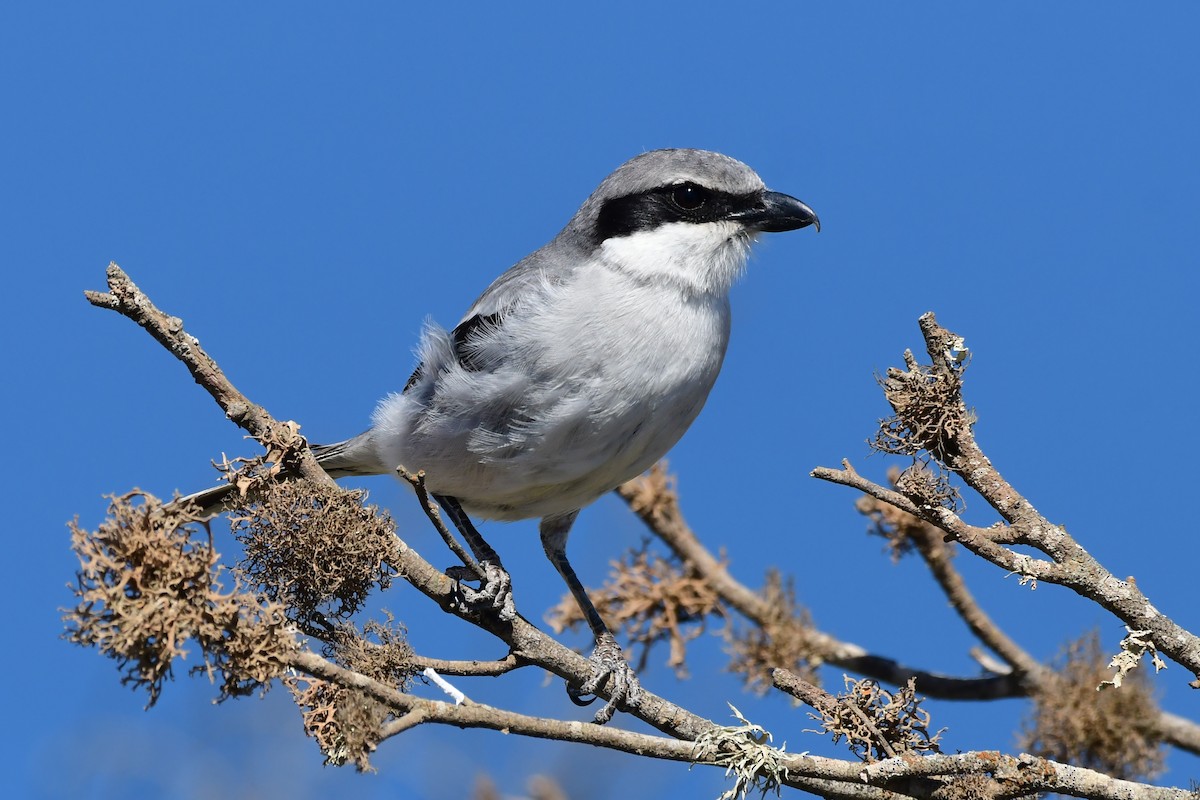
417 482
406 722
488 669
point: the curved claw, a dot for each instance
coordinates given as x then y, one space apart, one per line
608 662
494 593
579 697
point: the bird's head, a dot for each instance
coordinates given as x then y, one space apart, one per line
684 216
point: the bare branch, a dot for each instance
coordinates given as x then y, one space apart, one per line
489 669
398 726
128 300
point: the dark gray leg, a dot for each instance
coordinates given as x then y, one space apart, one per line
495 591
607 659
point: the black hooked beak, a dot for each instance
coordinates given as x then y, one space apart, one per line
777 212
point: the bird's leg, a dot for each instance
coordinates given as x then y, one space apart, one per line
495 590
607 659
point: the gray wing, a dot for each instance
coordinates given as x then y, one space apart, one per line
517 288
552 264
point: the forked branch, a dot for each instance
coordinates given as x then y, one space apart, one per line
933 421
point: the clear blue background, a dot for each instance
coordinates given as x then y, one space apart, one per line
303 184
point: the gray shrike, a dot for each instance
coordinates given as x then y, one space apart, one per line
579 367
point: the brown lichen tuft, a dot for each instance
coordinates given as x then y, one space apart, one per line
347 723
929 411
649 599
316 549
927 487
147 584
902 530
654 497
381 652
786 640
1111 731
878 724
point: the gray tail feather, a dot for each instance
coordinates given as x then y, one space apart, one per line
352 457
211 501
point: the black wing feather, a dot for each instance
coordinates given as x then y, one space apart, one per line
462 338
469 331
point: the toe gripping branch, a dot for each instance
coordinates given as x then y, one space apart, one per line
607 660
495 590
495 585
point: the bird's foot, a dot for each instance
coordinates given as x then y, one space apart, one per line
494 593
608 661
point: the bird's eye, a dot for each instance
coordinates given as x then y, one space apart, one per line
689 196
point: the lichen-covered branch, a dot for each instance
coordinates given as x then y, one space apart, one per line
654 499
905 529
147 586
932 418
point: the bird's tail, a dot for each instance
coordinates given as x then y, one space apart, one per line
354 456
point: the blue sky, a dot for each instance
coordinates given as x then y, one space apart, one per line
304 185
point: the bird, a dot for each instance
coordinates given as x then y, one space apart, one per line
578 368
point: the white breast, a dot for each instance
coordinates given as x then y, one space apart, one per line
599 380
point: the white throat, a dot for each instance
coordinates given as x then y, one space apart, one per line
701 258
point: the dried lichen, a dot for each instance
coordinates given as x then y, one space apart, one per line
148 582
1134 646
878 724
903 531
785 640
929 411
347 723
1112 730
317 549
